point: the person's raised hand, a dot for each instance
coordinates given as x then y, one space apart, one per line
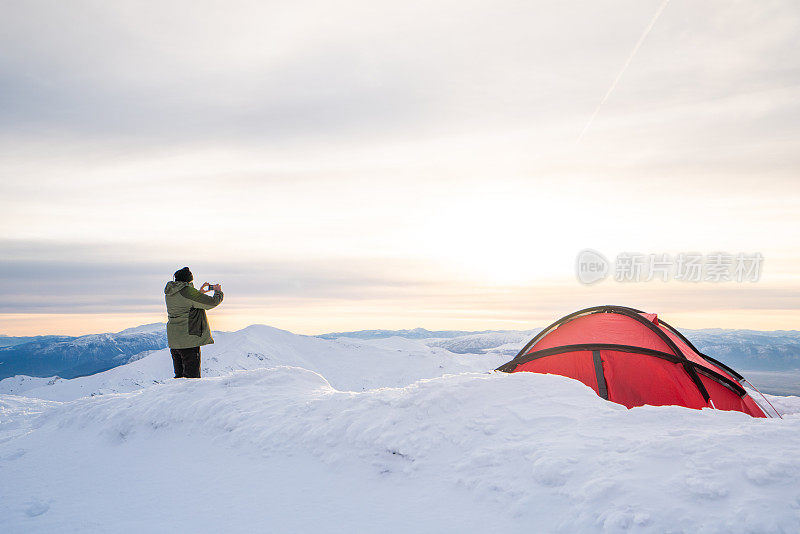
206 287
217 287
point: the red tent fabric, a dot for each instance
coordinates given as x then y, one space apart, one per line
633 358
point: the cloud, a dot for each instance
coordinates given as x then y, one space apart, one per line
56 278
182 71
398 153
51 277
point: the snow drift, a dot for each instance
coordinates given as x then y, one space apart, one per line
390 435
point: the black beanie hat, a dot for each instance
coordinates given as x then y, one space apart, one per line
184 275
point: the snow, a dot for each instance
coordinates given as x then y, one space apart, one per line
19 384
145 329
297 434
785 405
508 343
69 357
349 364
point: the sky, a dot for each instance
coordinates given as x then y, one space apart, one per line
367 164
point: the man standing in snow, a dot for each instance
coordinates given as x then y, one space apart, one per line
187 327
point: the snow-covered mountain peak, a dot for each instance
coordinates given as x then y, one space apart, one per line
144 329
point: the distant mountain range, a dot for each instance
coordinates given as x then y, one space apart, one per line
9 341
416 333
750 350
69 357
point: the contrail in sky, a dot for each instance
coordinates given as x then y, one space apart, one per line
624 67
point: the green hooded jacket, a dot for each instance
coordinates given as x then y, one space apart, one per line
187 324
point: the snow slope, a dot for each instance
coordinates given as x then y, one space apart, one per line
396 437
349 364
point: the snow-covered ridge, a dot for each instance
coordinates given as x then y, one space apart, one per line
144 329
349 364
414 333
508 343
77 356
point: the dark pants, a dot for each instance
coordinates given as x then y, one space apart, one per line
186 362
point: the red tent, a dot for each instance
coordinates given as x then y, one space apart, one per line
632 358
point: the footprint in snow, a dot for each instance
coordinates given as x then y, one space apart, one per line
14 455
37 508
